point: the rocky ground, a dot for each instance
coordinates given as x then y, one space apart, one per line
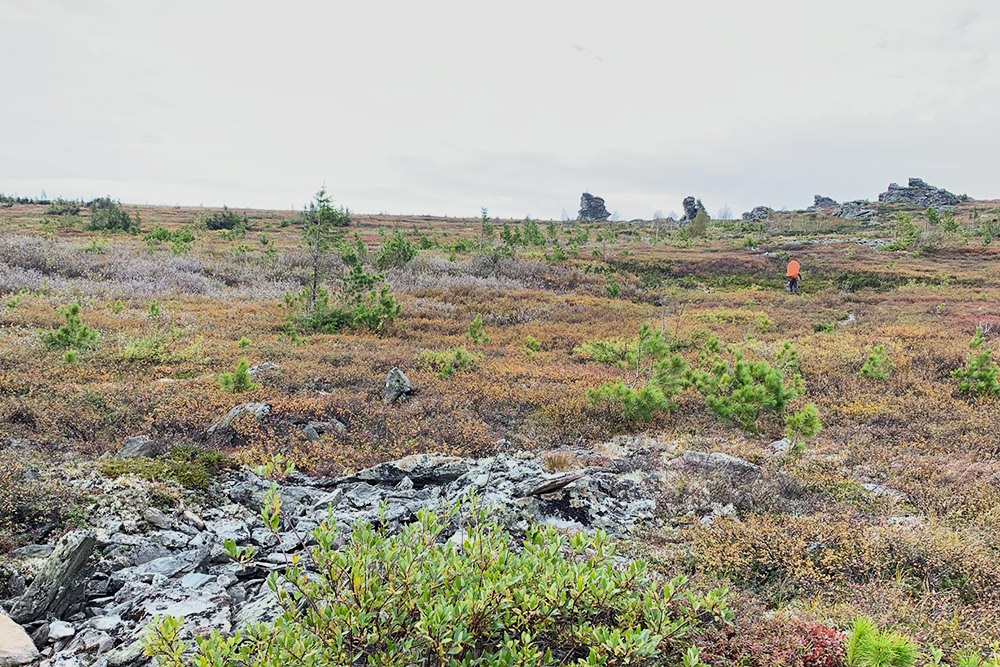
85 598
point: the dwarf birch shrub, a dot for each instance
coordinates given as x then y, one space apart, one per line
416 599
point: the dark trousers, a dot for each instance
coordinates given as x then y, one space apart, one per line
793 285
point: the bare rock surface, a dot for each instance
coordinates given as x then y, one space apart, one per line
16 647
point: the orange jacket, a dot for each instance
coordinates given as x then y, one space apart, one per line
793 269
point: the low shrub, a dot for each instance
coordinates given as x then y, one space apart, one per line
870 646
979 377
188 466
63 207
73 334
416 599
226 219
447 362
877 366
476 333
396 251
109 216
239 380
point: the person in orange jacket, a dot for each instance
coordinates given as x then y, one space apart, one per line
793 277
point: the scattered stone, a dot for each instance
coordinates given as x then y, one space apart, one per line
140 445
16 647
758 214
780 447
397 387
717 461
223 429
54 579
854 210
918 193
592 209
60 630
263 370
155 517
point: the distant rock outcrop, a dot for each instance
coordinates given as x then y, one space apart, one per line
592 209
854 210
918 193
819 201
758 214
691 208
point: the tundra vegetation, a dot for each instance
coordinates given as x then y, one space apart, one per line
870 405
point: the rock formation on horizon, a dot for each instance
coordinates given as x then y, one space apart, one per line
691 208
918 193
592 209
758 214
820 201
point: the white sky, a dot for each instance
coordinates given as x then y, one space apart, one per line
442 107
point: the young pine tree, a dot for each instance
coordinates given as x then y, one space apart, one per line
321 230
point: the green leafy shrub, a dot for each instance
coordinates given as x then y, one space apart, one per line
154 309
109 216
979 377
376 310
239 380
447 362
877 366
73 334
870 646
742 391
476 333
396 251
416 599
615 352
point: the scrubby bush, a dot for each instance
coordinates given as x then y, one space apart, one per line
239 380
877 366
447 362
396 251
109 216
73 334
416 599
803 425
979 377
226 219
63 207
476 333
742 391
870 646
657 377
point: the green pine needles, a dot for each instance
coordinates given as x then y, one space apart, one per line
74 334
878 366
869 646
239 380
979 377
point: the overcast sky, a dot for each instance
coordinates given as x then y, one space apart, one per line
444 107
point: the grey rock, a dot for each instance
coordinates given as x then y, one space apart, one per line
717 461
140 445
854 210
204 609
779 447
263 608
537 488
157 518
419 468
60 630
820 202
55 577
106 623
313 430
262 370
171 566
123 656
918 193
691 208
223 429
592 209
758 214
196 579
32 551
397 387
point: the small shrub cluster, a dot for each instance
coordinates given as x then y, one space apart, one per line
190 467
447 362
239 380
416 599
979 377
870 646
226 219
877 366
476 333
396 251
63 207
110 216
74 334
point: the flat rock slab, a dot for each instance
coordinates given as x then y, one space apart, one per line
16 647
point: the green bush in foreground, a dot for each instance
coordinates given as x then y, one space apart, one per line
239 380
72 335
980 373
869 646
877 366
415 599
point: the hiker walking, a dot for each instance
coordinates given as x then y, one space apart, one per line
793 277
